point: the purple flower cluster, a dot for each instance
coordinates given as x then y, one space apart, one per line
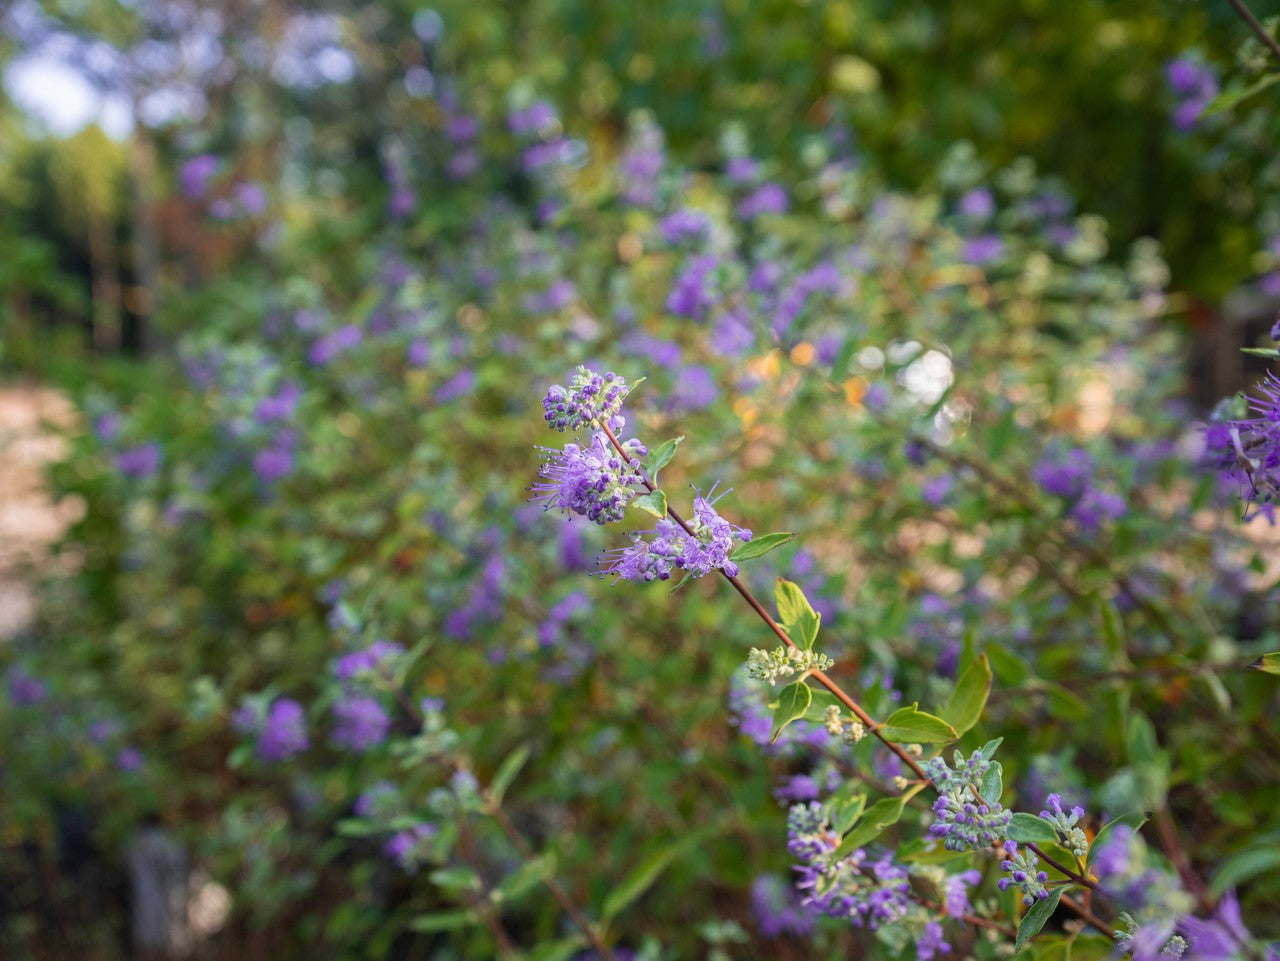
931 942
768 198
24 688
360 722
685 226
1248 450
694 292
777 910
964 821
670 547
139 463
411 847
1193 84
1023 874
590 400
853 888
376 660
1072 837
1069 475
283 731
592 481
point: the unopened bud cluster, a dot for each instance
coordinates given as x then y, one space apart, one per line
1072 837
1022 868
590 400
848 730
965 821
783 662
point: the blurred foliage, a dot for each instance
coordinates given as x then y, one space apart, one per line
885 366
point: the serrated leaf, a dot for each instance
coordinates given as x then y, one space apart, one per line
992 783
654 502
1267 663
445 920
1135 819
660 457
1027 828
910 725
1036 916
507 772
792 702
795 612
1229 99
964 709
759 546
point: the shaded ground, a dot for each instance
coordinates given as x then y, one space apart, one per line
29 520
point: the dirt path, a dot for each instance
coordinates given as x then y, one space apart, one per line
29 520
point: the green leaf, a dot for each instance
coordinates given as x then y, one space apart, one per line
1027 828
1268 663
639 880
1113 633
507 772
1064 704
561 950
992 783
822 699
456 879
355 828
1036 916
759 546
681 583
527 876
660 457
654 502
883 814
911 725
1010 668
989 749
1244 865
1271 353
445 920
844 813
797 615
1229 99
970 696
791 705
1135 819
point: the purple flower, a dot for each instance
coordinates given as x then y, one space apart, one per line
776 909
685 226
694 389
671 548
982 250
463 164
195 174
456 386
977 203
532 118
284 731
273 463
461 128
279 406
1064 476
935 490
375 659
1248 450
931 942
742 169
331 345
139 462
955 894
798 787
593 481
25 689
1220 937
251 198
768 198
693 293
409 848
964 822
419 353
1096 507
128 759
360 723
591 399
1023 874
